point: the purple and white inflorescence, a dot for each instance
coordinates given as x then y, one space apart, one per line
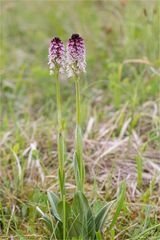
76 55
56 55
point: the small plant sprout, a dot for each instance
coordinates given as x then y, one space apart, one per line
76 60
57 63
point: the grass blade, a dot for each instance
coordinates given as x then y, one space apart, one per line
119 204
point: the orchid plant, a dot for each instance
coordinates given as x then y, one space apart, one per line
76 220
76 63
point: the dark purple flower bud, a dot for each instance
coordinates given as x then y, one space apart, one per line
76 55
56 55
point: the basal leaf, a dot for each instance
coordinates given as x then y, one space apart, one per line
46 219
67 210
84 215
53 199
102 215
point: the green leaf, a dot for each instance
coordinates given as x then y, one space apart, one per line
35 154
61 157
61 211
84 215
148 230
120 203
54 200
98 235
48 223
75 229
80 210
102 215
90 224
78 160
59 230
78 139
46 219
16 148
77 171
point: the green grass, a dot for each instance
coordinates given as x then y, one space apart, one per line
121 97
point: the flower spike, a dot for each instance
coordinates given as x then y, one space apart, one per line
76 55
56 56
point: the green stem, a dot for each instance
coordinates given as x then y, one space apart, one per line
78 111
79 164
64 217
61 152
58 103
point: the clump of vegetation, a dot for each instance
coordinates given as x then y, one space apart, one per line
74 220
119 119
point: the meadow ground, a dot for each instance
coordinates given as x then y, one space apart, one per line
120 112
